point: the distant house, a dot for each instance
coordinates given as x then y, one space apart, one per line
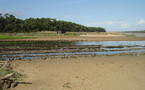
60 32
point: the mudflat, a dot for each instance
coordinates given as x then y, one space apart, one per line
83 73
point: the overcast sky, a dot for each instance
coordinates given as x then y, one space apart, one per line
114 15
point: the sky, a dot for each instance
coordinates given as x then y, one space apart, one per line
113 15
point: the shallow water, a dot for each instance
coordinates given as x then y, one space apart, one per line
113 43
105 48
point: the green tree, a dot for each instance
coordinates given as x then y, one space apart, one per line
9 23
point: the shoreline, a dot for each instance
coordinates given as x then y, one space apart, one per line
77 36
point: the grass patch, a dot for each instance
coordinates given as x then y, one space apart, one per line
36 34
36 43
6 68
67 85
2 37
5 71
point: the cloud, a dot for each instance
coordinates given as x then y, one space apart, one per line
141 22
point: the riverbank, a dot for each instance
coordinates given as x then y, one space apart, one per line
72 36
86 38
83 73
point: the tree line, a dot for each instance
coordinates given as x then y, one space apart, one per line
9 23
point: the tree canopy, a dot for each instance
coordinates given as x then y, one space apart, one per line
9 23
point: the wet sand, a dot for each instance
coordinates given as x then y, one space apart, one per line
83 73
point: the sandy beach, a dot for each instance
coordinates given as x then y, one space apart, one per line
83 73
